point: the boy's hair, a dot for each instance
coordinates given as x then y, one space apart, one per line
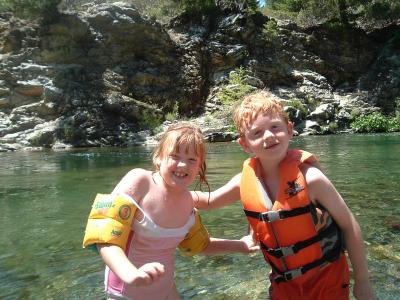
182 134
260 102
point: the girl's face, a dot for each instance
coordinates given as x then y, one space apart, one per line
180 167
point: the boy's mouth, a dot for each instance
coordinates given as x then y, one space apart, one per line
272 145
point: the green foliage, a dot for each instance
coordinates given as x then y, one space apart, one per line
375 122
297 104
397 108
382 9
236 89
207 120
46 9
174 114
270 31
149 120
311 12
210 6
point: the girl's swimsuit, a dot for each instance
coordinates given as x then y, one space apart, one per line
149 243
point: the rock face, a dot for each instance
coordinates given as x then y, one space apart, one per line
101 76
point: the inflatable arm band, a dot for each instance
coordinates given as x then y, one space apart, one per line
110 220
196 240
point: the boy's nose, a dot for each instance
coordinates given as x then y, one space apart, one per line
268 134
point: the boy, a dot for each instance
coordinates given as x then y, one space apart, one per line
294 210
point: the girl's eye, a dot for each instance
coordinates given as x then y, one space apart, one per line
173 156
193 159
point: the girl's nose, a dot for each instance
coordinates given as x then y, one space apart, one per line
182 163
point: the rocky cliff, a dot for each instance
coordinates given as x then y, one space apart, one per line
102 76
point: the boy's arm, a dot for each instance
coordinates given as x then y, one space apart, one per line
321 190
115 258
223 196
219 246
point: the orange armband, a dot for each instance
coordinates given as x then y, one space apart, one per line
196 240
110 220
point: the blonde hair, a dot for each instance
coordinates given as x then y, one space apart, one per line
182 134
260 102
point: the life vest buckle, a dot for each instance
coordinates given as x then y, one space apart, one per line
286 251
292 274
270 216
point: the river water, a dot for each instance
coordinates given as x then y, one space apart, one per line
45 198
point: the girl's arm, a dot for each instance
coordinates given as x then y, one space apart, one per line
220 246
321 190
115 258
223 196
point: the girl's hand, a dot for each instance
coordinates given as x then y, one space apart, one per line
250 244
147 274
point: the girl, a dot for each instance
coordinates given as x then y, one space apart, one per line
164 215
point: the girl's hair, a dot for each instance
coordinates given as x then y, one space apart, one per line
260 102
182 134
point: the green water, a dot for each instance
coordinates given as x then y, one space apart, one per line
45 198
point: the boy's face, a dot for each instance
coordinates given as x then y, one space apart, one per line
267 137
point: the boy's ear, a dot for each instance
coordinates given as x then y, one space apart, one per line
290 129
242 142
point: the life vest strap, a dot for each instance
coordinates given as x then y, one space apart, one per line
275 215
290 250
292 274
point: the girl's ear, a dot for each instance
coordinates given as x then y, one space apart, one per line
158 163
242 142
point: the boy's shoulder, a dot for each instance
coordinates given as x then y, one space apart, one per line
311 172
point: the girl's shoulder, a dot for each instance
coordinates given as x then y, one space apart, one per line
135 183
139 174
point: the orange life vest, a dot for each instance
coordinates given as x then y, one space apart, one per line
297 238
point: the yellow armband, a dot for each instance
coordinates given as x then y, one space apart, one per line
196 240
110 220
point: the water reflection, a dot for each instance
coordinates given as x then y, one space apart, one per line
45 198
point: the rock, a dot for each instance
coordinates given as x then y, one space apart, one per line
103 70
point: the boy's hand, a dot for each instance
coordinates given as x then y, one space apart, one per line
250 244
147 274
363 291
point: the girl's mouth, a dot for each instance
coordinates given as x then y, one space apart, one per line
180 175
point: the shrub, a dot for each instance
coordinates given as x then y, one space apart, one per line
375 122
236 88
174 114
149 120
297 104
270 31
46 9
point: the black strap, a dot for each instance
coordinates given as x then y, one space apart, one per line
273 215
290 250
291 274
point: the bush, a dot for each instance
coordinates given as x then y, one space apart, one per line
45 9
297 104
270 31
236 88
375 122
149 120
